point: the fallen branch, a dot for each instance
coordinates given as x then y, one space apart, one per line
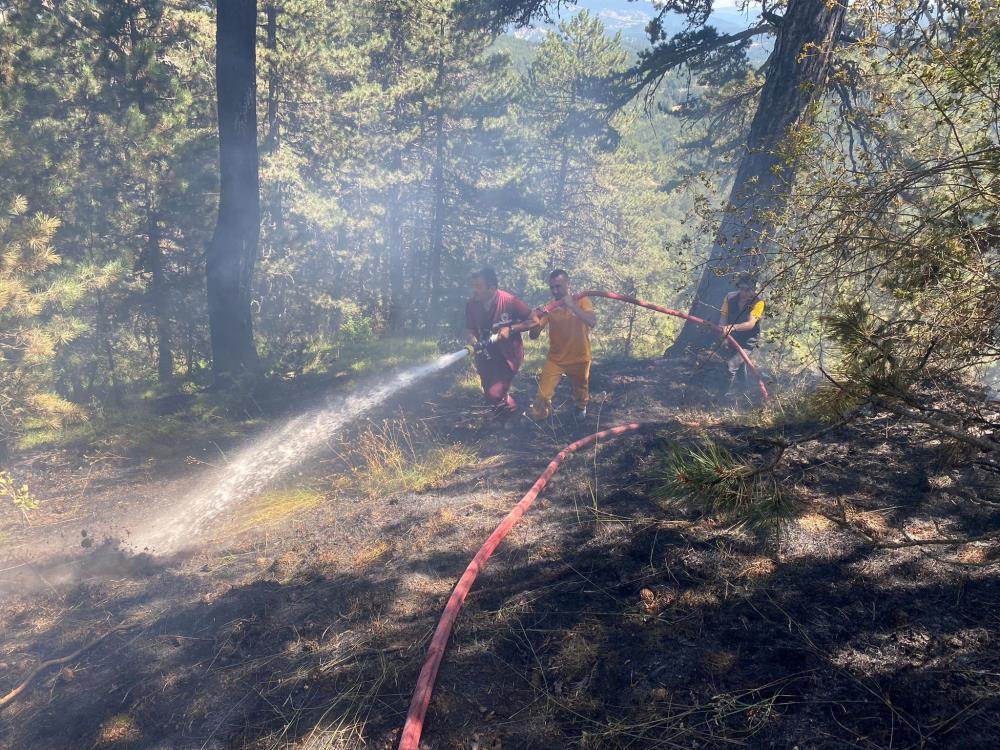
909 541
56 662
985 445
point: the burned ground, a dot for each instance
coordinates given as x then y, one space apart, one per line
606 619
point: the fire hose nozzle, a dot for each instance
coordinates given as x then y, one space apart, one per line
480 346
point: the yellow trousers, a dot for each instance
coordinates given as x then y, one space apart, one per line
579 378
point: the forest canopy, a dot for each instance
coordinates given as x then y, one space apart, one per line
403 145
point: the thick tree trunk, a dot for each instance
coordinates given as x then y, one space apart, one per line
158 294
232 251
797 74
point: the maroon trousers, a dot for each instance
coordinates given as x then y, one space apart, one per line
496 376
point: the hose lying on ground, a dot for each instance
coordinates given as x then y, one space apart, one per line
410 739
4 700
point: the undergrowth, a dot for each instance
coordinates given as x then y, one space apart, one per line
709 478
395 456
19 494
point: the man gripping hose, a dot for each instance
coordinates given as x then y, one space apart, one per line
740 318
569 347
499 362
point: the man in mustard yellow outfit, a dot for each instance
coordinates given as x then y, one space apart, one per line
569 347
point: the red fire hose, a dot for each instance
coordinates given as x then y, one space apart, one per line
410 739
425 682
677 314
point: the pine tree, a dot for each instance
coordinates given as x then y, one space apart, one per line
33 321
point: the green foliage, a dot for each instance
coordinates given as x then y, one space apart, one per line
402 147
711 479
896 210
33 323
20 495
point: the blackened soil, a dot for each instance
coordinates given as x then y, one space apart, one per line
605 620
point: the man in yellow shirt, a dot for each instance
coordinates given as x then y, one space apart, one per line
569 347
740 318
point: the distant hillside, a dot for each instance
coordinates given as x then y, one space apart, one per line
630 18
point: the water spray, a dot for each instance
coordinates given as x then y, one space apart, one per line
272 455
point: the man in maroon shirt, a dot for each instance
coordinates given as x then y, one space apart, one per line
502 359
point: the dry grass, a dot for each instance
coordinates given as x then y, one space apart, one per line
272 508
815 523
394 458
758 567
921 530
370 553
427 532
579 651
699 598
972 554
720 661
118 729
871 522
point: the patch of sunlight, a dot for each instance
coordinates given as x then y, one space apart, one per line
55 437
272 508
815 522
373 355
758 567
370 553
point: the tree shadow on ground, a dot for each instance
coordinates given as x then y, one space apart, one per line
612 623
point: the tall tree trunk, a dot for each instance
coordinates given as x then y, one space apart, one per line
232 251
271 45
797 74
105 329
437 223
275 205
554 236
158 293
394 254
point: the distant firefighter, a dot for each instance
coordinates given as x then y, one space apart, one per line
740 318
569 347
500 353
